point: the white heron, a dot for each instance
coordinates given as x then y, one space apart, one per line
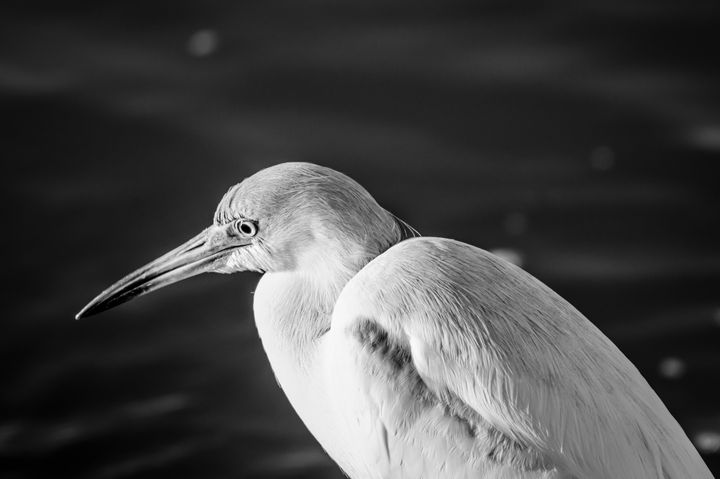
415 357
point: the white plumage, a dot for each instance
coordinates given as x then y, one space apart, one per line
473 368
422 357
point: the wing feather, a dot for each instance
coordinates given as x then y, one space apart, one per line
494 348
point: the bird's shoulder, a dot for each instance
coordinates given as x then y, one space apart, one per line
536 383
445 282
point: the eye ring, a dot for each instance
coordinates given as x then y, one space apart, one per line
246 228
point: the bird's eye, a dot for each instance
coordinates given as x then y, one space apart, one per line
246 228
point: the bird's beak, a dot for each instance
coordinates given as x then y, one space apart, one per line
199 255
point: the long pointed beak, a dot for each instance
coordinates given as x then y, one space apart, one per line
196 256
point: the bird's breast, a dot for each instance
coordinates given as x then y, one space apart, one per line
281 309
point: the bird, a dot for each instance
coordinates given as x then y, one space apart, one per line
414 357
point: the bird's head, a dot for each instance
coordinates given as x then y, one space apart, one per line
289 217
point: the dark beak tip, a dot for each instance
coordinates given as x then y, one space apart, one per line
84 313
92 308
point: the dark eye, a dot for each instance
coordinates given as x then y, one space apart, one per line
246 228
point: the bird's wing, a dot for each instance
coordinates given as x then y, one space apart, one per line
443 352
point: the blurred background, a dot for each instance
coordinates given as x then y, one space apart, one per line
581 139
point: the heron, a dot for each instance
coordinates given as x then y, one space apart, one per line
419 357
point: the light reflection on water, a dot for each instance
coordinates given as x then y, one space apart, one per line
575 138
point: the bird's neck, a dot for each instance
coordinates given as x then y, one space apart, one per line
291 313
293 308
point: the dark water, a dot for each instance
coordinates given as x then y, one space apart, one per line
582 137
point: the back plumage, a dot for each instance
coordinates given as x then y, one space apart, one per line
443 338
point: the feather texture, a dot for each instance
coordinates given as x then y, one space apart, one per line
462 362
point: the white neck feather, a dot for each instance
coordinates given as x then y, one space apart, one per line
293 309
291 314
